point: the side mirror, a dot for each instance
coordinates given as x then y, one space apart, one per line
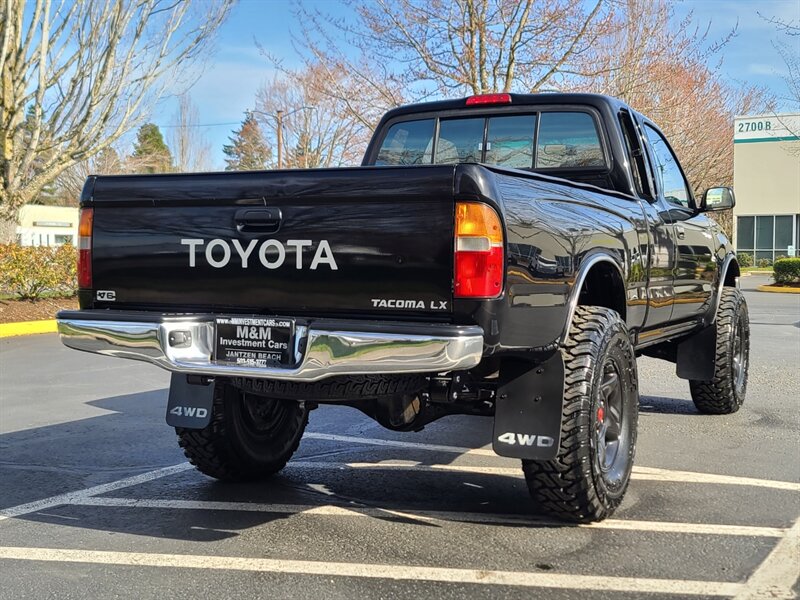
717 198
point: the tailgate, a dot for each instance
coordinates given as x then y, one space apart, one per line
340 241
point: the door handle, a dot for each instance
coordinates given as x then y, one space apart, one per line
680 232
260 220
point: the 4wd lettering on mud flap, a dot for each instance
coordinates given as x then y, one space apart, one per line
275 249
526 439
189 411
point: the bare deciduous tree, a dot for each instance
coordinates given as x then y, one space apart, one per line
108 161
318 129
391 52
190 147
90 70
669 70
789 50
394 52
467 46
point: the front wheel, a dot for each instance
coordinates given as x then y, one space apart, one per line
724 393
588 478
249 436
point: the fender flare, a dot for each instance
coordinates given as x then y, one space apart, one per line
723 274
575 293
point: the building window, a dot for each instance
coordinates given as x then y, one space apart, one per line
797 236
784 234
767 237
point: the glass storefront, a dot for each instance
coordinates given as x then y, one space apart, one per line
768 236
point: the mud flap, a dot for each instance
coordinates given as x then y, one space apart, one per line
191 399
697 354
527 419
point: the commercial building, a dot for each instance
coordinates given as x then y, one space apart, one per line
47 225
766 181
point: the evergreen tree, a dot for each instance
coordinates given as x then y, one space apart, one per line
248 150
150 153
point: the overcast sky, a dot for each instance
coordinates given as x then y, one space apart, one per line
230 80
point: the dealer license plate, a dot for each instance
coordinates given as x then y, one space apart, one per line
254 342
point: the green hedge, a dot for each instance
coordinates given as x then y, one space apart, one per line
30 272
787 270
745 259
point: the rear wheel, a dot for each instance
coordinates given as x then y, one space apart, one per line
589 477
724 394
249 436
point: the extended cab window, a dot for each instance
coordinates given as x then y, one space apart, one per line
667 171
407 143
568 139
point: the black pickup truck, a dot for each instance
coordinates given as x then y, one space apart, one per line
501 255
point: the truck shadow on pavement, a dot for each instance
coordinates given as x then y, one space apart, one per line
132 438
369 481
666 406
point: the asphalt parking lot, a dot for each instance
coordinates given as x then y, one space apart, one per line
96 500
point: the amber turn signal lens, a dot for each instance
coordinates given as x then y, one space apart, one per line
474 219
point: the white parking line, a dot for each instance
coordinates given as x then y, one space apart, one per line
378 571
331 437
432 515
67 498
779 572
640 473
653 474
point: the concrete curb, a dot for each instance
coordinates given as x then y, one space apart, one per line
778 290
27 328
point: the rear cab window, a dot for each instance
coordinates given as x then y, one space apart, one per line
541 140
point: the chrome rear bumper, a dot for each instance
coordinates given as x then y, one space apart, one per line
322 348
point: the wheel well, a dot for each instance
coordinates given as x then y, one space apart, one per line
731 274
603 286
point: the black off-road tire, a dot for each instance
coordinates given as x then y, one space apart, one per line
249 437
579 485
724 394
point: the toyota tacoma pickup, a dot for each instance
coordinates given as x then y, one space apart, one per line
501 255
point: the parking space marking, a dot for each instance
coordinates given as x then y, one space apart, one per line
433 515
332 437
779 572
378 571
654 474
68 497
641 473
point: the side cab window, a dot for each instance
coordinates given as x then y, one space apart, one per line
667 171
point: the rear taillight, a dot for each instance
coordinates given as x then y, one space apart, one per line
85 248
479 251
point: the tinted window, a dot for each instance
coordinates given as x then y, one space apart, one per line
407 143
510 141
460 140
568 139
783 234
765 230
667 171
745 233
